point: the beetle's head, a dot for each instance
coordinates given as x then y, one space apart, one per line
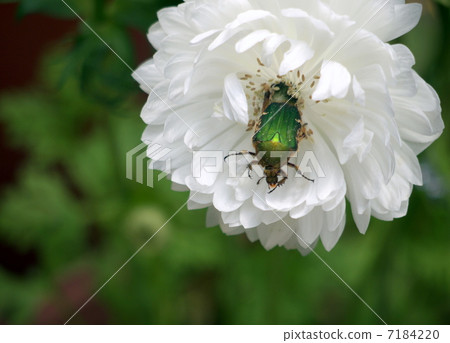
272 182
271 177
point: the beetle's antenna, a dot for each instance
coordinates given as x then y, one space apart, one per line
244 152
292 165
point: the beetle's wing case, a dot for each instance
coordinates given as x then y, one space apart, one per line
279 125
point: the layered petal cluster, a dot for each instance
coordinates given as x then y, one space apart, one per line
368 113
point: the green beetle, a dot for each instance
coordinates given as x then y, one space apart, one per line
278 130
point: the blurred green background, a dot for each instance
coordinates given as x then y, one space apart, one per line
69 218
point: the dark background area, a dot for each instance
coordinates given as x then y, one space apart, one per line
69 218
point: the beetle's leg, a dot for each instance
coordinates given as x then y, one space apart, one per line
273 190
292 165
243 152
267 96
259 181
283 180
250 168
304 131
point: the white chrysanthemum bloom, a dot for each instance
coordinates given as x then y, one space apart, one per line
367 113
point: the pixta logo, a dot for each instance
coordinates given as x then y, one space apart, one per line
240 165
147 157
142 159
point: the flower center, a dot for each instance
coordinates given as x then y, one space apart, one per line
258 84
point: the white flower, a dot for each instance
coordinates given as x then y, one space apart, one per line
368 114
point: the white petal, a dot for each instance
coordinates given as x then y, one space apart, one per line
330 238
406 18
156 35
252 234
231 231
236 26
334 81
273 235
251 40
202 36
362 220
358 92
295 57
334 217
249 215
212 217
271 217
300 211
171 20
300 14
310 226
148 76
250 16
199 200
224 199
271 44
231 219
234 100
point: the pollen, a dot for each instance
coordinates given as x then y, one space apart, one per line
263 80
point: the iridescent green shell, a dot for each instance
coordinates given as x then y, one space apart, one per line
279 126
